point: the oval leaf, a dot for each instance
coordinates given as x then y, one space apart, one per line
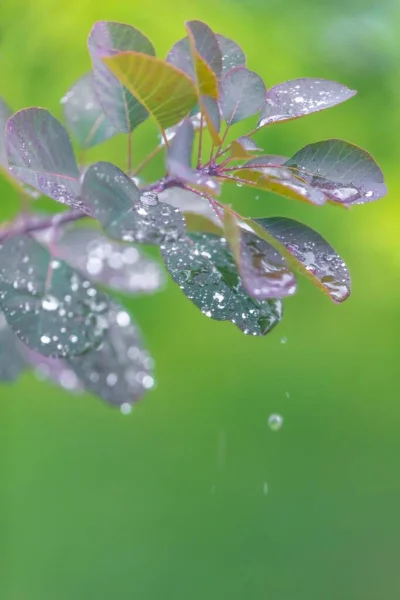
204 268
343 172
242 94
166 92
299 97
118 266
120 370
124 212
49 306
84 114
39 153
262 269
306 251
12 364
123 107
232 54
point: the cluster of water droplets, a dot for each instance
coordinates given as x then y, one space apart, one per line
300 97
120 370
50 307
204 268
314 253
117 265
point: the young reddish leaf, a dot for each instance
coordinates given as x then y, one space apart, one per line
166 92
12 364
103 261
204 268
232 54
84 114
306 251
243 147
269 173
299 97
179 158
125 213
39 153
48 305
242 94
344 173
262 269
124 108
120 371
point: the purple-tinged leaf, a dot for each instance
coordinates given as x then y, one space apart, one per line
107 38
40 154
232 54
12 363
299 97
204 268
248 144
242 94
5 114
84 114
118 266
344 173
207 46
125 213
306 251
120 371
195 120
55 370
181 147
181 58
179 159
48 305
189 203
263 271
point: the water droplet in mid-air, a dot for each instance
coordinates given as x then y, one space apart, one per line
283 339
275 422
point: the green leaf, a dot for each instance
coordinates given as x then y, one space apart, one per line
125 213
344 173
39 153
189 203
84 114
12 363
120 370
263 271
204 268
167 93
49 306
306 251
123 107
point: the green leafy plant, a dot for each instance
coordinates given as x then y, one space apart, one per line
54 316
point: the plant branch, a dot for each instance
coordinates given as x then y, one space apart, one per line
32 223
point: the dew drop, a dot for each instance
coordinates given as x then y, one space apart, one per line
45 339
50 303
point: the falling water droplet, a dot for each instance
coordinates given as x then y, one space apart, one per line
275 422
126 408
265 488
283 339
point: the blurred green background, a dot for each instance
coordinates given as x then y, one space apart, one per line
170 501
